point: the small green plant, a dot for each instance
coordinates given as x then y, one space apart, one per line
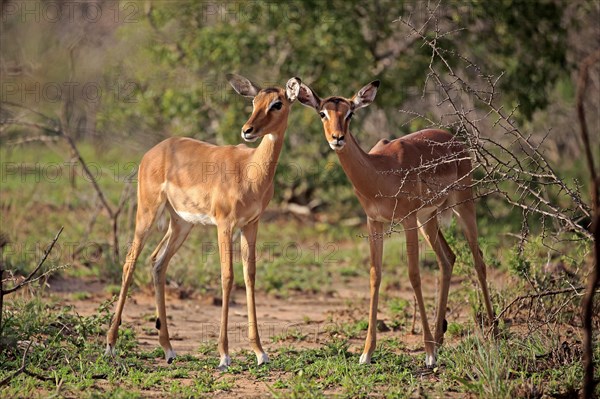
456 330
518 264
347 329
506 369
81 296
398 306
293 334
399 311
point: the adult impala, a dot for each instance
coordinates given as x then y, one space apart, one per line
228 186
409 180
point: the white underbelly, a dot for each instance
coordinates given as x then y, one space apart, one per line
373 213
196 218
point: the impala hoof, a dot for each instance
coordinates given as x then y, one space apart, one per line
225 362
430 361
365 358
262 358
110 351
170 355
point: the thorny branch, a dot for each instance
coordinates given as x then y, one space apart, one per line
20 369
30 278
512 167
575 290
23 370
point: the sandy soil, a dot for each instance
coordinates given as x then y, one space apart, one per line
194 321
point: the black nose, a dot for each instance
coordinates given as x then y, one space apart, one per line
249 130
338 138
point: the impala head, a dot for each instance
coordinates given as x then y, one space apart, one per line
270 106
336 112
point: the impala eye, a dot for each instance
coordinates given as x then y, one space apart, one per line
322 114
349 116
277 105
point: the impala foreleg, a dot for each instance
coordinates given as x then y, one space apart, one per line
150 204
414 275
376 254
225 251
174 238
248 244
128 269
445 257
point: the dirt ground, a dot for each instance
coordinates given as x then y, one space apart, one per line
194 320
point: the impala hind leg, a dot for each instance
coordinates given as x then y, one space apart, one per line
412 252
172 241
248 246
376 253
225 252
431 231
465 212
145 217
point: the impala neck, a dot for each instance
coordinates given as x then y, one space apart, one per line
266 156
358 167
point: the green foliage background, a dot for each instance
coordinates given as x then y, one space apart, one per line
161 67
335 47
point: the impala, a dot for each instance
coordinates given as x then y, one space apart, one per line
227 186
409 181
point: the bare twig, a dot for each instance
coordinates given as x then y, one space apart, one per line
517 169
88 231
38 376
514 167
30 278
46 117
535 296
87 171
27 140
39 126
61 128
20 370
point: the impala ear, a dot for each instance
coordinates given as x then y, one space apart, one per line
292 88
308 97
366 95
242 85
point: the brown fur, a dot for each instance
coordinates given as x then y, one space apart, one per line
408 181
229 186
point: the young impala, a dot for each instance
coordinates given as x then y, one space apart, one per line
197 182
409 180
